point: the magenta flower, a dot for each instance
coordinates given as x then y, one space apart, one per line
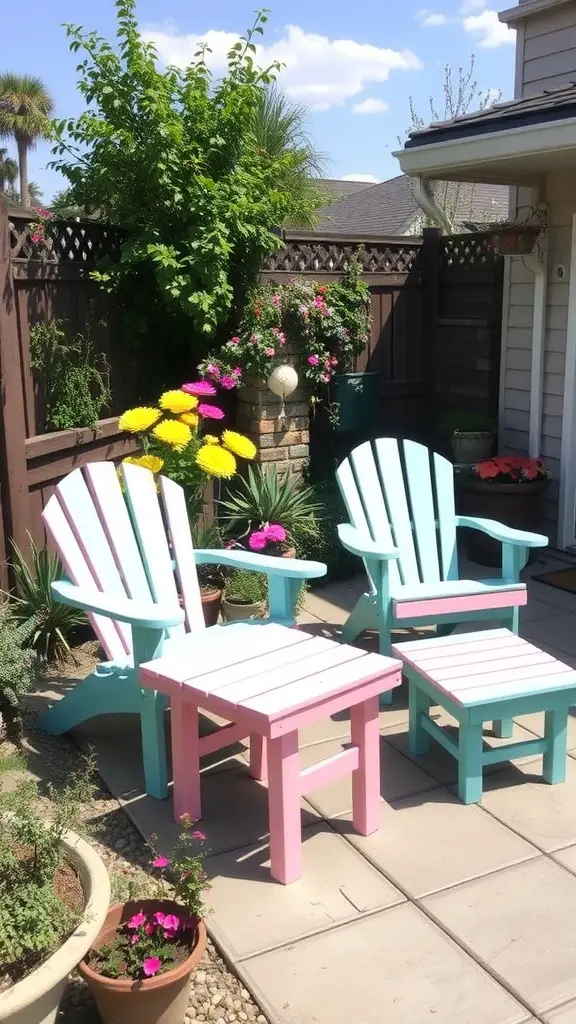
313 360
149 929
211 412
171 923
276 533
257 541
213 371
277 301
237 372
199 387
198 835
228 382
134 940
151 966
169 935
235 340
160 862
159 917
325 378
269 352
137 920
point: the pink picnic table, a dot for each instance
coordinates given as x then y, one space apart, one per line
268 681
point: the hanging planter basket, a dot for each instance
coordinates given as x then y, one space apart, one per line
515 240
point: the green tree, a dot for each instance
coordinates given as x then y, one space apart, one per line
8 170
280 128
25 110
172 156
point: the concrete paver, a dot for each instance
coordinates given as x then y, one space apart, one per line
544 815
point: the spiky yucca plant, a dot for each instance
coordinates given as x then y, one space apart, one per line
265 497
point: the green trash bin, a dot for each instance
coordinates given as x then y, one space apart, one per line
356 397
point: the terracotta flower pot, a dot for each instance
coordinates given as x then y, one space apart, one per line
162 999
211 597
515 504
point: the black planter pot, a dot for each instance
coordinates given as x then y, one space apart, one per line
518 505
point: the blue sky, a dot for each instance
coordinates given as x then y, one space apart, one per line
355 63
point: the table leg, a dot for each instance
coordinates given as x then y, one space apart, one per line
418 704
258 756
365 730
555 733
470 763
503 728
284 808
185 758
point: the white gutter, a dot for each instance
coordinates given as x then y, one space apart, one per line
427 203
475 154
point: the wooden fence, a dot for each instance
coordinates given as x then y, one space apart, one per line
435 340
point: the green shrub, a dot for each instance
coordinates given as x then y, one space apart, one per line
246 587
74 377
263 496
17 669
33 599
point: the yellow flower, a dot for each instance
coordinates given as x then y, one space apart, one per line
216 461
191 418
138 420
174 433
177 402
239 444
211 439
152 462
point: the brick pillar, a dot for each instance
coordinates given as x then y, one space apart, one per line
283 442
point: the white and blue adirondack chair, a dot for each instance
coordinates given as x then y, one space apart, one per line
400 500
124 549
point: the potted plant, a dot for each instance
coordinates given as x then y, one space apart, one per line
245 595
54 896
471 435
140 964
210 577
508 489
515 239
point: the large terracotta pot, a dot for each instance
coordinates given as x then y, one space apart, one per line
211 598
36 998
515 504
162 999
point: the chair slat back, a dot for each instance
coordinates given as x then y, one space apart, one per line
402 495
113 538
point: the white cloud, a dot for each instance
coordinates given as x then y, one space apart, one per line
319 71
429 19
361 177
490 32
370 106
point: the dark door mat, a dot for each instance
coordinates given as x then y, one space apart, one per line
562 579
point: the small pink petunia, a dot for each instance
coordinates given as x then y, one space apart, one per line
313 360
151 966
149 929
134 940
136 920
325 378
235 340
277 301
169 935
198 835
160 862
237 372
276 533
211 412
171 922
228 382
159 917
269 352
199 387
257 541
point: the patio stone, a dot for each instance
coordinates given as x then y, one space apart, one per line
535 723
398 777
562 1014
566 857
521 922
252 912
431 841
333 602
395 967
544 815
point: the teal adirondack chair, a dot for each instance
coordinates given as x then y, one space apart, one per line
400 500
128 552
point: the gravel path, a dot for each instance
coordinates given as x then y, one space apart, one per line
217 994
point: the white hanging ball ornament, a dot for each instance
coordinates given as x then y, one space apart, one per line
282 382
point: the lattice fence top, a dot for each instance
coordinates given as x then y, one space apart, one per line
66 241
471 250
314 257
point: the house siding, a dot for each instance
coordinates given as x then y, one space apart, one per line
545 58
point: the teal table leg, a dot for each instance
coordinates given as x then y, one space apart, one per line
503 729
418 705
556 733
470 763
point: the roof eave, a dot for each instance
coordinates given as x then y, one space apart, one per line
494 157
513 15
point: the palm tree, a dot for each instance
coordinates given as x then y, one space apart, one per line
8 170
280 130
25 109
34 194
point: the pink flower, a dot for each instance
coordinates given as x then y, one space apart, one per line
211 412
198 835
277 301
257 541
137 920
134 940
169 935
160 862
269 352
237 372
325 378
213 371
235 340
149 929
228 382
151 966
171 923
304 311
199 387
276 533
159 917
36 236
313 360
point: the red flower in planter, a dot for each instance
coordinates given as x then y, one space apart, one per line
508 469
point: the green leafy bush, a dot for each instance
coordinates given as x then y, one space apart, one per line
33 918
74 377
54 623
17 669
246 587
